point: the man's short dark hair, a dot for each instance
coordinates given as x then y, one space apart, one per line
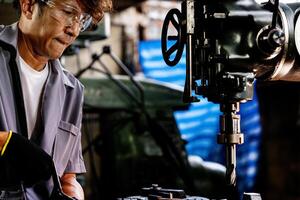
95 8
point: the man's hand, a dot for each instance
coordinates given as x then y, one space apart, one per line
3 138
71 187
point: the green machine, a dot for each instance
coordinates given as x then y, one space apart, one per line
106 94
132 140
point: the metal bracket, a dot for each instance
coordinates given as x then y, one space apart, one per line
231 138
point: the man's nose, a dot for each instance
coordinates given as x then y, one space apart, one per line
73 29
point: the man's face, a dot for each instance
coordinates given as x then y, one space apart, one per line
54 28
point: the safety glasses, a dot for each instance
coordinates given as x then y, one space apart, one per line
68 14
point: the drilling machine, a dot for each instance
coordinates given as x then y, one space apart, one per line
229 44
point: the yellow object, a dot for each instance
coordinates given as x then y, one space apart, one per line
6 143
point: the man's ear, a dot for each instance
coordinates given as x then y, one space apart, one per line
27 7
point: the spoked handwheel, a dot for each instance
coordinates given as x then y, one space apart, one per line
174 17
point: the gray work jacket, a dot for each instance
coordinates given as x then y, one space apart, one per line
60 113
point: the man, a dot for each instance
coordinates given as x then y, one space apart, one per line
39 100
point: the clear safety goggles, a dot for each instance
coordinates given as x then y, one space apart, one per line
68 14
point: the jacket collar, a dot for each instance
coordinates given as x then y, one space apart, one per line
58 66
9 35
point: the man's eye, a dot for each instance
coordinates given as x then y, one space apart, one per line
68 12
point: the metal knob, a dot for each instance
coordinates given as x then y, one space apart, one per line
276 38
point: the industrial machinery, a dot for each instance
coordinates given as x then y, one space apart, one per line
157 193
229 44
